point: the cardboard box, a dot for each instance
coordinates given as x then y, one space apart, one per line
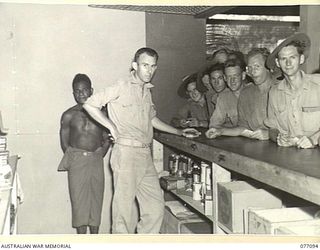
235 197
172 182
265 221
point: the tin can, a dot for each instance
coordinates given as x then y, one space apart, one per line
196 191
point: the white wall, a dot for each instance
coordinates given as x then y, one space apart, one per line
42 47
180 42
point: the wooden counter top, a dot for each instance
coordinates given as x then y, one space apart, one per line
296 171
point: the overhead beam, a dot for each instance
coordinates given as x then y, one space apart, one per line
213 10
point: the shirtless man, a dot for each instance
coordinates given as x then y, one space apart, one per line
84 143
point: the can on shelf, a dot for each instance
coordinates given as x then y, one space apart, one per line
196 191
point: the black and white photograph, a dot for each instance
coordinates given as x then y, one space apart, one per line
160 119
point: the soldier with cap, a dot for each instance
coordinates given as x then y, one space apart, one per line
294 103
197 111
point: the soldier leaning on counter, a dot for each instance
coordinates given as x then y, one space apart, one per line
225 114
253 99
197 111
294 103
132 119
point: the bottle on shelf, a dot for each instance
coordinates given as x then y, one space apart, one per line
204 167
196 185
173 164
196 173
180 166
189 174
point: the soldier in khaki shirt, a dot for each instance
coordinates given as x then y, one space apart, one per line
252 104
132 119
226 114
294 103
197 111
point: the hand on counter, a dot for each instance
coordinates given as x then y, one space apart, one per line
213 133
285 140
305 142
260 134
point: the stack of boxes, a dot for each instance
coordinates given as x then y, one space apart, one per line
5 169
4 153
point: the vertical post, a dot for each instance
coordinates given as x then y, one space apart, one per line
214 197
309 24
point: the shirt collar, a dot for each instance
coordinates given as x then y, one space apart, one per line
269 82
134 80
192 102
305 83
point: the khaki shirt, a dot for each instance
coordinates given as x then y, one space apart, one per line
130 108
195 110
225 113
295 114
211 99
252 106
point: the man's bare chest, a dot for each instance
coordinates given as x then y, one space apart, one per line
82 122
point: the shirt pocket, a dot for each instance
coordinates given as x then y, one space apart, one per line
129 109
127 105
310 119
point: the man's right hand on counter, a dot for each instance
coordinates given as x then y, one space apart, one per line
213 133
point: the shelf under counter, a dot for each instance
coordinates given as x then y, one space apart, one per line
292 170
192 203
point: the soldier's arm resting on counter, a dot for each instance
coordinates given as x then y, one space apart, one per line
160 125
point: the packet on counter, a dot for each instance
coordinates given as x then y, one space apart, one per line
193 134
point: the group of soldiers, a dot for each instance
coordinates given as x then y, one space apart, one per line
267 96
